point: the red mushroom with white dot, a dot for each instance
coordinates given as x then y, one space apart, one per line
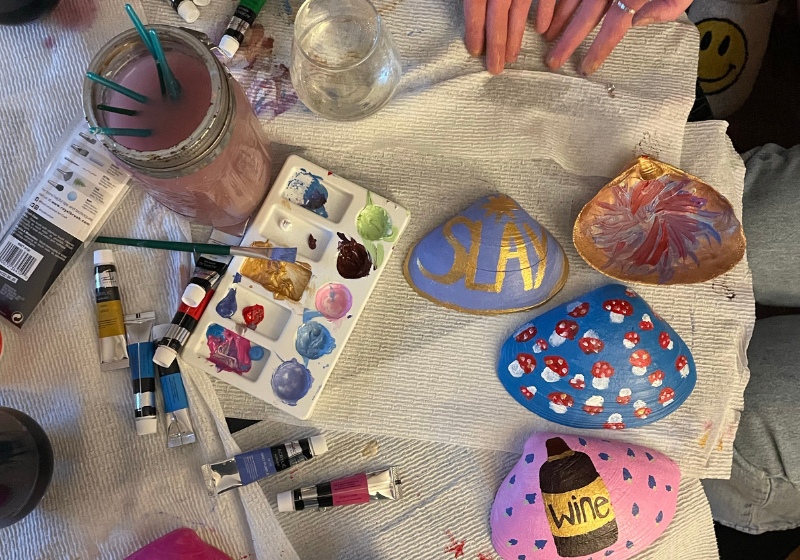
614 422
525 334
560 402
656 378
665 341
640 409
528 392
618 309
631 339
594 405
646 324
565 330
640 359
578 309
556 367
590 343
540 346
666 395
682 365
577 382
525 363
601 372
624 396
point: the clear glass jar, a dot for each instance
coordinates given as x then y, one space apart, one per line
218 175
345 65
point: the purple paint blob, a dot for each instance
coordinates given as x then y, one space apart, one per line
291 382
227 305
333 301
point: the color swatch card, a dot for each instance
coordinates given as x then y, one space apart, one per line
275 329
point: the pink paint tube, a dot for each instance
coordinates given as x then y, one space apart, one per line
352 490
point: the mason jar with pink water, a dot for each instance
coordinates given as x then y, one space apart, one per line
207 157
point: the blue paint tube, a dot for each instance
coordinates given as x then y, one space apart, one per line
249 467
176 405
138 330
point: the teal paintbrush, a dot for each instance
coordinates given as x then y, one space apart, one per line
284 254
117 87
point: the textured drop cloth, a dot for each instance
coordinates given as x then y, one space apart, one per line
112 492
447 493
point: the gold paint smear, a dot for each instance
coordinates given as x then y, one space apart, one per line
285 280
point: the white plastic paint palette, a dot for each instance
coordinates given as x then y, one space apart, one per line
279 349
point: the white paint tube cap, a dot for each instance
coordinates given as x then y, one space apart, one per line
103 256
188 11
318 444
164 356
286 501
228 45
202 2
146 426
193 295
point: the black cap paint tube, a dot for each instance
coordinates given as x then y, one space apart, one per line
110 319
352 490
176 404
249 467
138 328
244 16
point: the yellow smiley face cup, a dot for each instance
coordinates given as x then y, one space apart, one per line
723 54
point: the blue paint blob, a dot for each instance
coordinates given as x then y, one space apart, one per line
529 458
649 457
635 509
521 557
513 479
626 475
291 382
314 340
215 330
631 453
651 482
660 517
668 487
582 441
237 278
307 190
227 305
256 353
512 542
540 544
604 456
629 544
531 498
609 552
508 511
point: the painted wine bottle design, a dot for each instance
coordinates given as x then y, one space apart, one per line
576 501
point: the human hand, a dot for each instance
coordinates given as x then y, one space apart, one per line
497 27
571 21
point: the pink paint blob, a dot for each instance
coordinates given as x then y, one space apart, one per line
181 544
333 300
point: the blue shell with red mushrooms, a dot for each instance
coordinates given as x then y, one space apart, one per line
604 360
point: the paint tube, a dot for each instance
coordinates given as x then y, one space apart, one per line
249 467
138 330
110 320
180 329
209 269
242 19
176 404
186 9
358 489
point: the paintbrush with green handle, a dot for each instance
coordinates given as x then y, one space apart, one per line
285 254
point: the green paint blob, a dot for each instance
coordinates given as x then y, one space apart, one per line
374 223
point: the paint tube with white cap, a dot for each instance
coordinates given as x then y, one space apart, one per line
251 466
208 269
110 319
358 489
186 9
176 405
138 331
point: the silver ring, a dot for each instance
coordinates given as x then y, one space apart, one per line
624 7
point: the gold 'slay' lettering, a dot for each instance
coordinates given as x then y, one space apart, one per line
578 511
